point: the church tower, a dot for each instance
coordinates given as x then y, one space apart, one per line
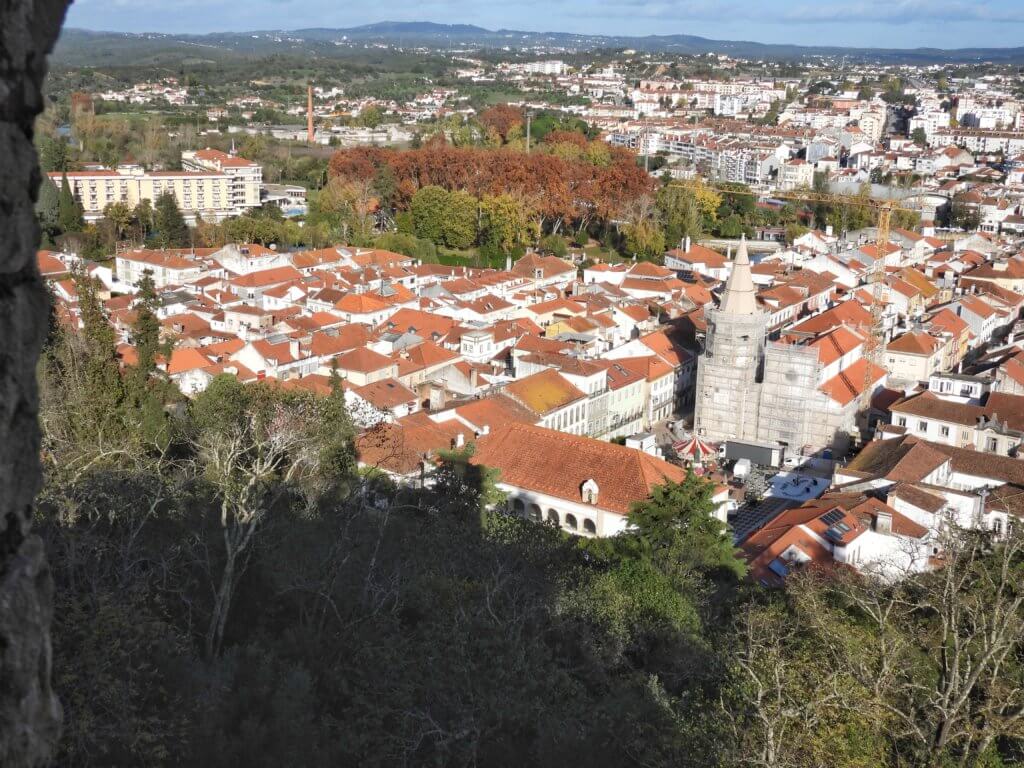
728 392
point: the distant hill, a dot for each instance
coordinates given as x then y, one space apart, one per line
83 47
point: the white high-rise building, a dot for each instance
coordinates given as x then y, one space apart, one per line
245 176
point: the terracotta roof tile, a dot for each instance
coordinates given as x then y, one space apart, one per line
523 454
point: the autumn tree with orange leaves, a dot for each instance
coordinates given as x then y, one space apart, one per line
579 189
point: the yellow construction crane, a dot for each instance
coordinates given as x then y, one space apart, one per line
875 343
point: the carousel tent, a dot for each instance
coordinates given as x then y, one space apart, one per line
696 450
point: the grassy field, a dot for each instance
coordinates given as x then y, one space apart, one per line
600 253
469 257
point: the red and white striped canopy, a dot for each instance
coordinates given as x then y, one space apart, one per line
695 449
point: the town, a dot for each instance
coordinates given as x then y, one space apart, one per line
797 369
418 394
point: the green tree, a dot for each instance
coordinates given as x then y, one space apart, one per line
678 519
793 231
731 226
48 212
644 239
119 217
144 218
370 116
53 154
429 208
459 224
146 328
69 210
171 229
505 222
408 245
963 215
687 210
919 136
82 383
555 245
385 186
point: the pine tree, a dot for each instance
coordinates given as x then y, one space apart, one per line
171 229
146 329
53 154
101 378
143 217
48 212
69 210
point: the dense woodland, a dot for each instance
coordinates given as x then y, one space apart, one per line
231 589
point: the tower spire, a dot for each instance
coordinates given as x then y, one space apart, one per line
739 297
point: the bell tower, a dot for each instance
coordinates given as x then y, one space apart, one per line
727 396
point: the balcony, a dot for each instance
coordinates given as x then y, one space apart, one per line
662 401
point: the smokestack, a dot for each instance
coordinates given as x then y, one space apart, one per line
309 114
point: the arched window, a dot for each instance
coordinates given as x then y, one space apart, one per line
535 513
518 507
589 527
553 517
570 522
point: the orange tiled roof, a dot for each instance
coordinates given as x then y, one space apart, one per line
913 343
363 360
523 454
267 277
186 359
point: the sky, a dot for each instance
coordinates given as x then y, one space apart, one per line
874 23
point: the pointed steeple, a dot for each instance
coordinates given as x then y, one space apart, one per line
739 297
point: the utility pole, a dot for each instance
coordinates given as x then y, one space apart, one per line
529 117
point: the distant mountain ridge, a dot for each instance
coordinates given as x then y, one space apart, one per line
74 43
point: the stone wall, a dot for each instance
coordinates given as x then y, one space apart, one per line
30 714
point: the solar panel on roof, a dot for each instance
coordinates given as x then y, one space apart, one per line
832 517
833 534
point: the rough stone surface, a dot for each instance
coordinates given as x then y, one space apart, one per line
30 714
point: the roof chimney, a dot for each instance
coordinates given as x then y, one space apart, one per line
883 523
309 114
686 244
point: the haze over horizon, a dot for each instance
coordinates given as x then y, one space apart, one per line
859 23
